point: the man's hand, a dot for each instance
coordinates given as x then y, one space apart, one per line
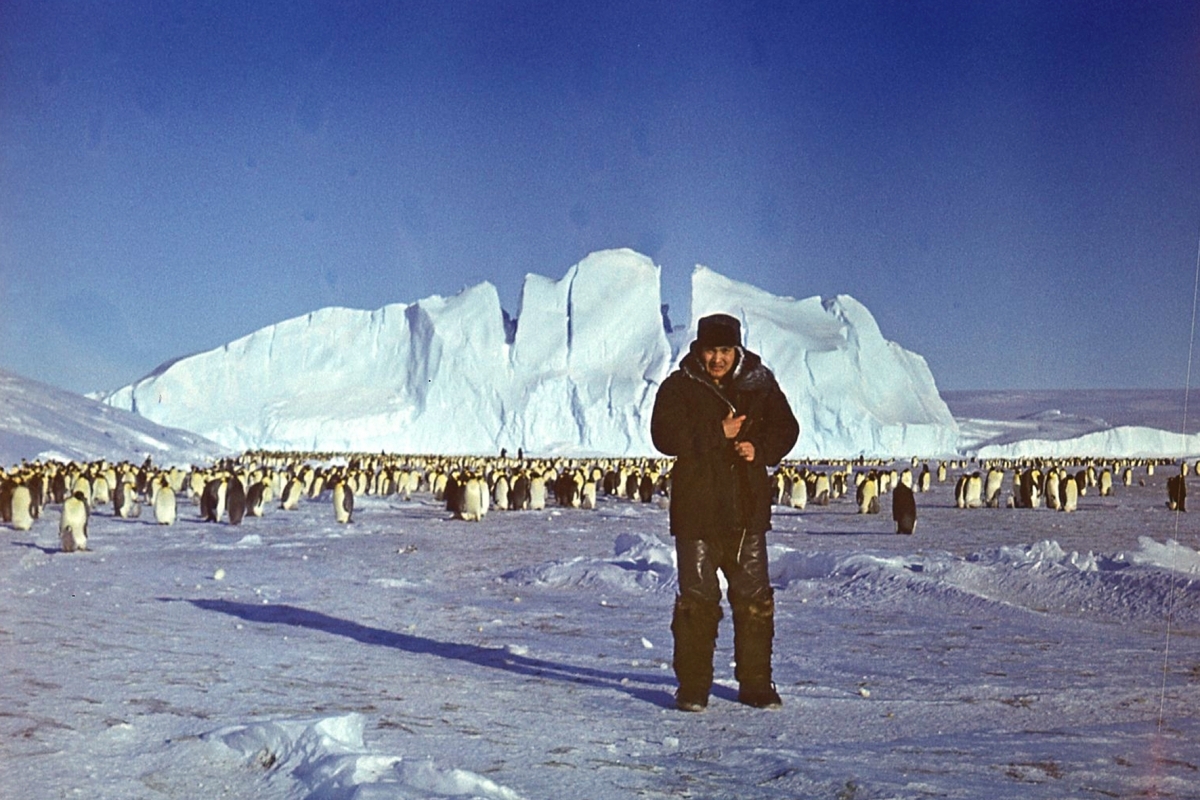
745 450
732 424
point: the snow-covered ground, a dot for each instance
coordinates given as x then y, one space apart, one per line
996 654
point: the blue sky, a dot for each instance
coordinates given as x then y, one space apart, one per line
1012 188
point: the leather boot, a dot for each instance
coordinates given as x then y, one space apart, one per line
694 625
753 633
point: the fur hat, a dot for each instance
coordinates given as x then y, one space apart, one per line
718 330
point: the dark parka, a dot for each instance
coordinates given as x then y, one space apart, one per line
714 493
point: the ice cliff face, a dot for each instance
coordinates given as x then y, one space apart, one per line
578 378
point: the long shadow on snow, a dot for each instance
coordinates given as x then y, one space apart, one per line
283 614
785 532
34 546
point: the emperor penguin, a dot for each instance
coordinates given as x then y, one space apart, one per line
566 492
316 486
868 494
177 480
632 481
1031 493
780 482
293 490
474 500
6 492
500 493
195 483
485 499
1106 482
82 485
164 504
39 488
58 486
235 500
268 490
904 509
993 487
798 494
587 498
360 482
578 479
972 490
275 480
125 500
408 482
452 493
1177 492
72 527
537 493
22 507
256 498
1068 493
212 500
518 493
343 502
646 487
101 491
1015 500
820 492
1053 500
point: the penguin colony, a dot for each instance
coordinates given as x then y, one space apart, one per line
232 490
1057 484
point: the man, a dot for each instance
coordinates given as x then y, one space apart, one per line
725 419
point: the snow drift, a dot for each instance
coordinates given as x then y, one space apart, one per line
578 377
327 757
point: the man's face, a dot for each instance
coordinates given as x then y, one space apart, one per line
717 361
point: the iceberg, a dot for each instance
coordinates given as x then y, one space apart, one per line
577 377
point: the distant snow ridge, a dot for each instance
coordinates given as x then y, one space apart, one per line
1135 586
1131 441
578 378
40 422
327 757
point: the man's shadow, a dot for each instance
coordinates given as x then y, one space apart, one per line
496 658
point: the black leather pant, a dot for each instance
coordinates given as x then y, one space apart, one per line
743 560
